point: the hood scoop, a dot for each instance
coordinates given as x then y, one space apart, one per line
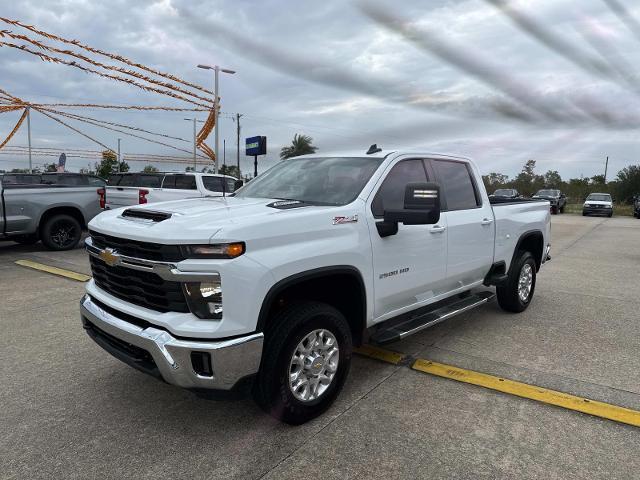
148 215
287 204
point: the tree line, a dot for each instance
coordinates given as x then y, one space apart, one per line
623 188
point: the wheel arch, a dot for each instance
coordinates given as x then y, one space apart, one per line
341 286
530 241
70 210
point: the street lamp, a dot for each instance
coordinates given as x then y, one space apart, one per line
194 120
216 69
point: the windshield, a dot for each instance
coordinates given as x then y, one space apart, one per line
548 193
503 192
319 181
599 197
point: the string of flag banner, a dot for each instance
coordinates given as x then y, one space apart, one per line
176 88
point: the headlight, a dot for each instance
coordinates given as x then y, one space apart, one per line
204 298
220 250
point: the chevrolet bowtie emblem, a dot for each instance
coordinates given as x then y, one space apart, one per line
110 257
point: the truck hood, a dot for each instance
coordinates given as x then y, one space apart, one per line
201 220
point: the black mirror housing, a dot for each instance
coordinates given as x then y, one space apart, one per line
421 207
237 184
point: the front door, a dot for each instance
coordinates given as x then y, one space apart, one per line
410 266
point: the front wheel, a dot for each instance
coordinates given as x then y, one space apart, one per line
61 232
562 209
517 292
305 362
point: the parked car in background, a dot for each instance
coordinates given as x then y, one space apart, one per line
52 207
275 284
636 206
599 204
126 189
506 193
557 199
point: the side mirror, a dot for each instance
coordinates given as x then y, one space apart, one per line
421 207
237 184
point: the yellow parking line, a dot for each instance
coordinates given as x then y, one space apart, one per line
544 395
80 277
380 354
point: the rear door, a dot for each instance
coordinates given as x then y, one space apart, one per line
410 266
470 223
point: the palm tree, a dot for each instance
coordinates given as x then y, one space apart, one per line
301 145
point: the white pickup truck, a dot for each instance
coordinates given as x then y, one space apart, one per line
273 286
126 189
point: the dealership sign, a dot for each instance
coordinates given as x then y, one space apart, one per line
256 146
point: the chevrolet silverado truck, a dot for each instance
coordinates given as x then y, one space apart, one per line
127 189
599 204
52 207
272 287
557 199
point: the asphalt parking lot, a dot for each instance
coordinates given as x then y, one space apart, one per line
69 410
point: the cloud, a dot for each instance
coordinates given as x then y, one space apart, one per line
327 70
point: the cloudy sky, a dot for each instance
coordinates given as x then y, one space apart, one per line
553 80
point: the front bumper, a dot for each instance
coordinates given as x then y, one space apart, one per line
596 210
158 353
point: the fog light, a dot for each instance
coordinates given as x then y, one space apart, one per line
204 299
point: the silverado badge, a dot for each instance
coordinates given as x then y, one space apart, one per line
110 257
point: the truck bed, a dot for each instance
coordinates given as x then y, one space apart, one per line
515 218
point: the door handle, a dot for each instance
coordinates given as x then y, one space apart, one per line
437 229
486 221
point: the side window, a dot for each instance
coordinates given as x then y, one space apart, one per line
390 195
186 182
114 179
95 181
213 184
457 185
169 181
127 181
149 180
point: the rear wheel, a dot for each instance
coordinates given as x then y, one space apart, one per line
562 209
306 359
517 292
61 232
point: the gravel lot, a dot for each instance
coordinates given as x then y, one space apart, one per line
69 410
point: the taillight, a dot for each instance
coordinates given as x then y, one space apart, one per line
142 195
101 195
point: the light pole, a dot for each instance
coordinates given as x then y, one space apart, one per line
194 140
119 155
216 69
195 137
29 137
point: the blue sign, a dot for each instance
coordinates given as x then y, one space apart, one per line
256 146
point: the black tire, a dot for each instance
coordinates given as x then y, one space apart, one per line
562 209
508 294
554 210
584 214
271 389
26 239
610 215
61 232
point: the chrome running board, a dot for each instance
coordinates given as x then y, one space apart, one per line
414 322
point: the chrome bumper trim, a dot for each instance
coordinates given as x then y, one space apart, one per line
165 270
231 360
